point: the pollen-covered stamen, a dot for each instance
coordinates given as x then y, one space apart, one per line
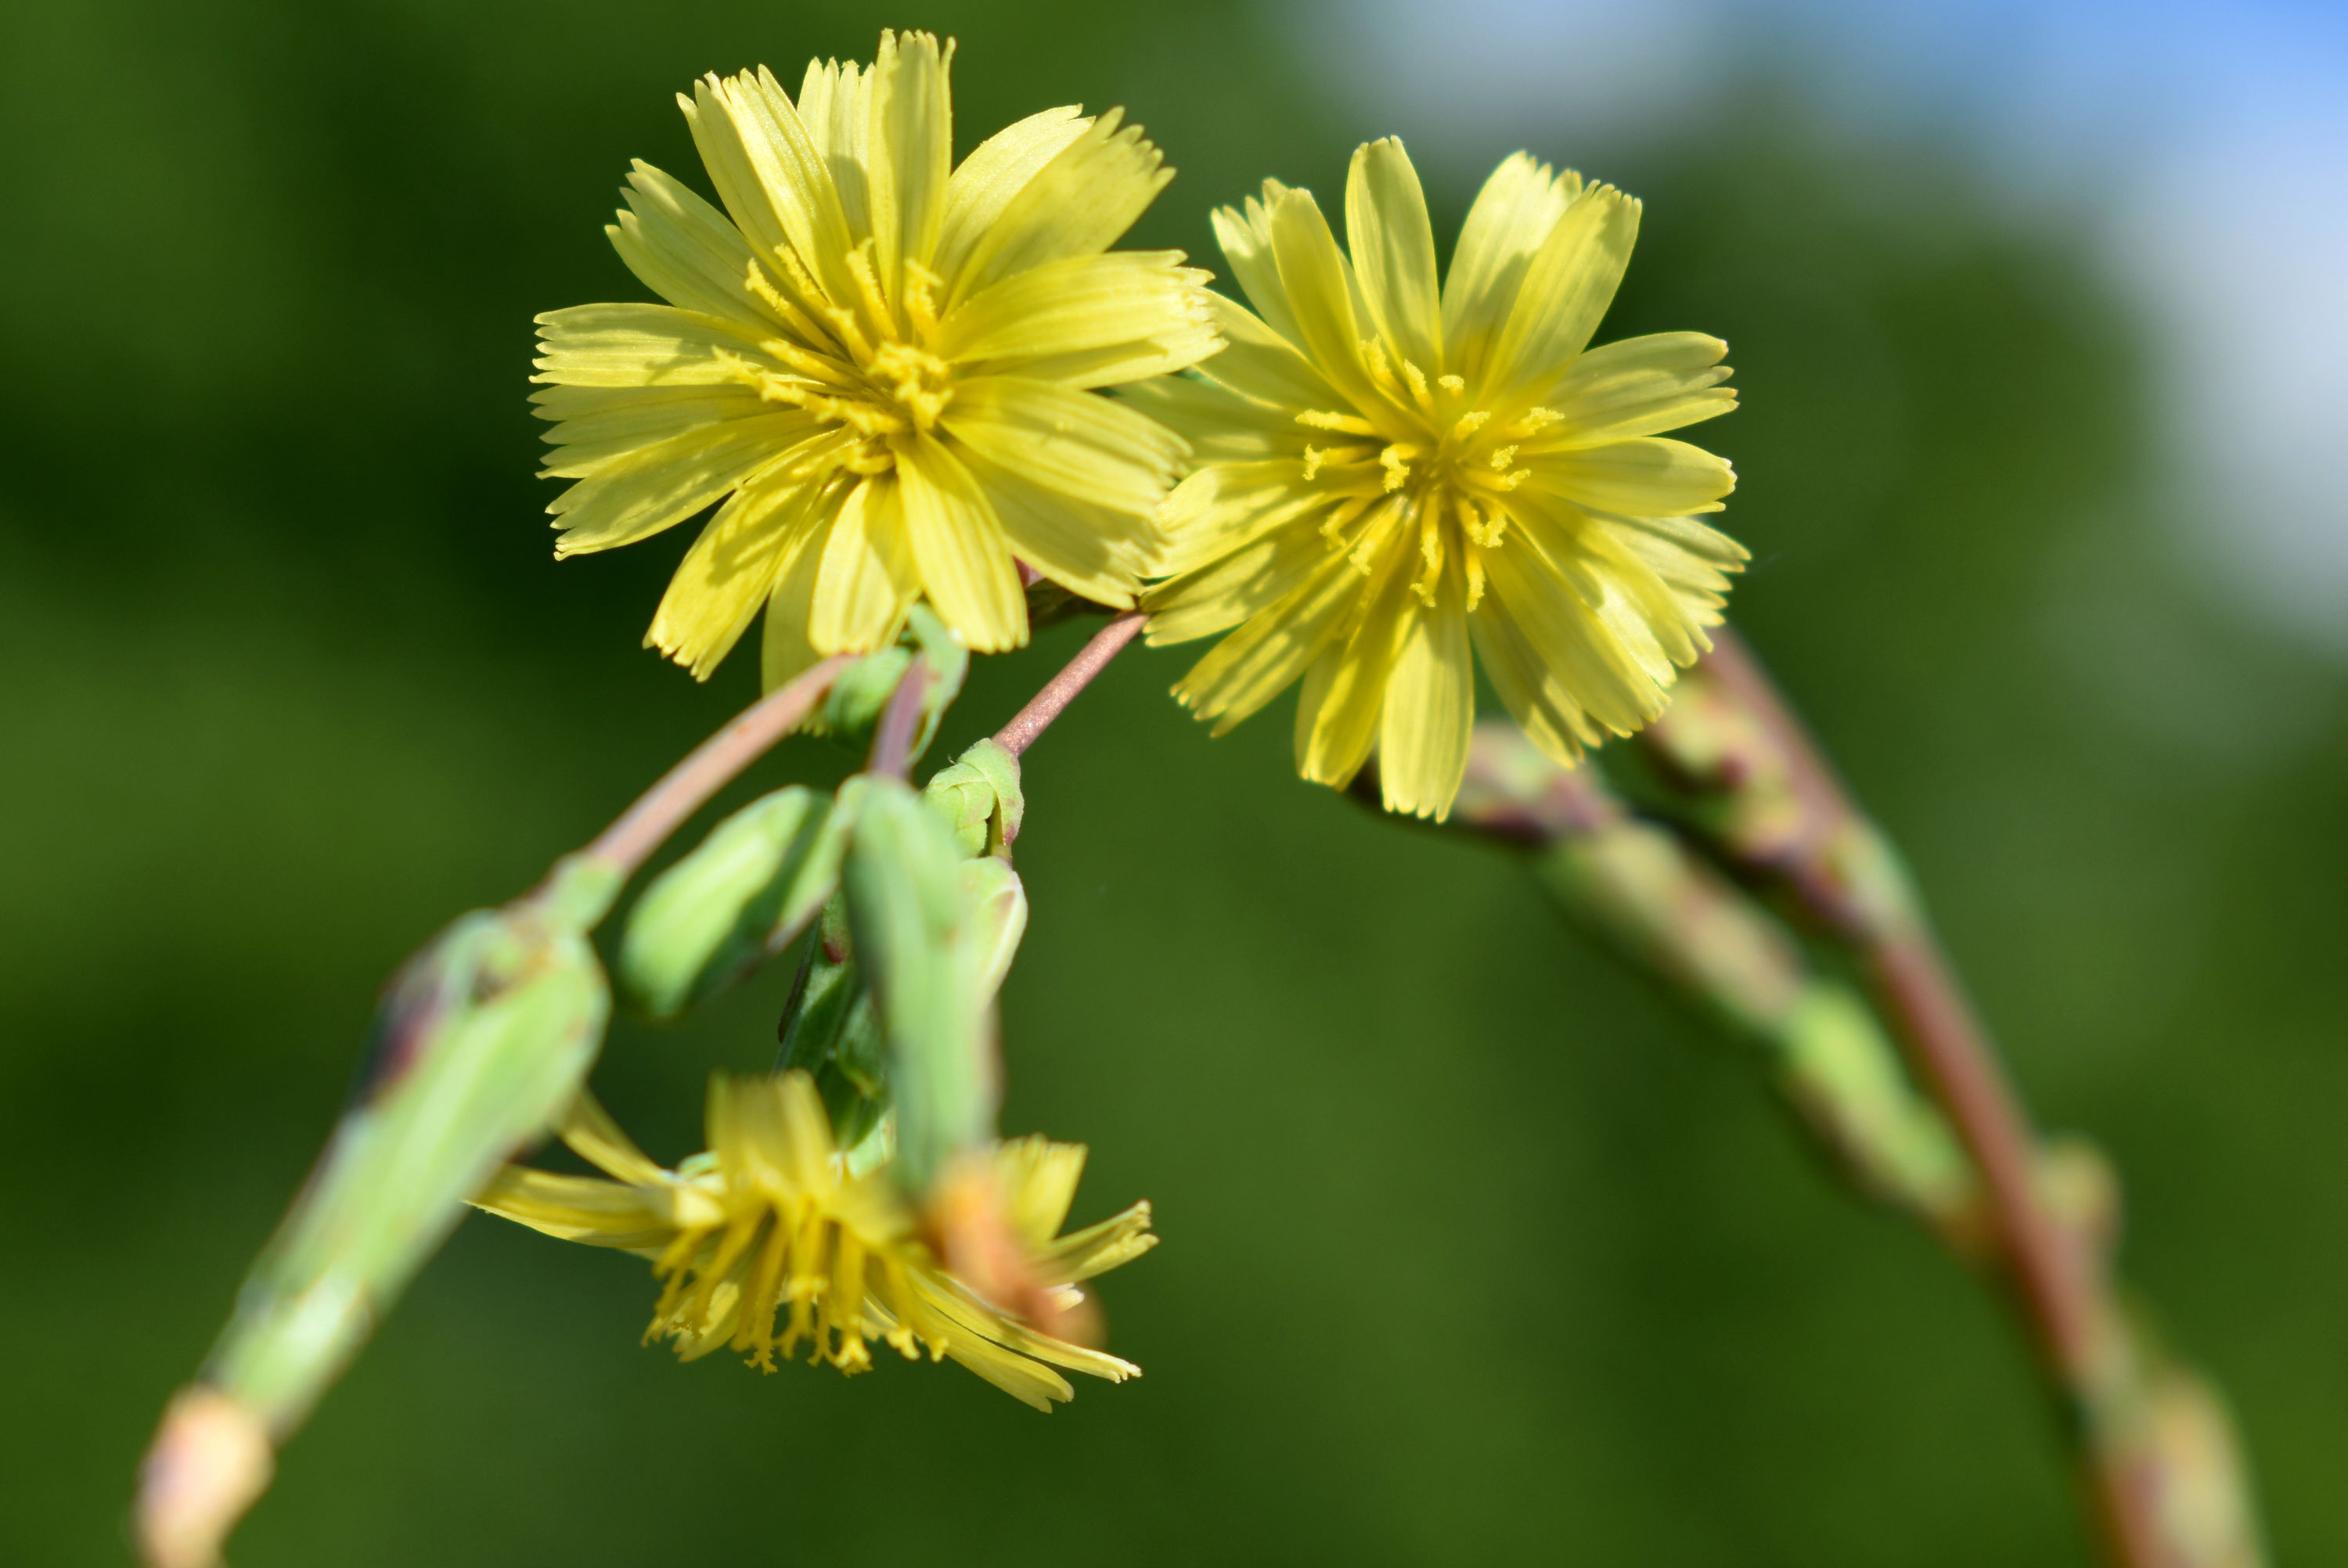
921 299
869 294
1472 559
1419 392
1343 424
1503 457
1395 460
1468 423
1430 549
1374 355
763 289
1343 517
921 383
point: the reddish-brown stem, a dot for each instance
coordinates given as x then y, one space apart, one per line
1951 1052
1945 1038
711 766
1061 690
892 738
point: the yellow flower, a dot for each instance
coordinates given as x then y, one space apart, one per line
877 363
1388 473
772 1222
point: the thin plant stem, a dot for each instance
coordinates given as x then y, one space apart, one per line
892 739
1834 861
1949 1046
1061 690
711 766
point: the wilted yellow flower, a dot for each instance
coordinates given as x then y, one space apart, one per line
878 363
1387 472
771 1222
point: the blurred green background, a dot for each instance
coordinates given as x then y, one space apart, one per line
1476 1250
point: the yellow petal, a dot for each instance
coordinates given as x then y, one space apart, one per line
868 577
1696 571
1077 205
1219 426
1092 550
1222 507
912 142
574 1208
635 497
1260 365
1638 387
1571 637
997 169
1533 695
686 251
1225 592
1078 443
769 173
785 651
1345 690
1253 664
958 545
1430 706
642 345
1647 477
596 424
1637 611
730 571
1245 236
1085 321
1513 215
1321 289
1566 291
1038 1178
1393 249
590 1134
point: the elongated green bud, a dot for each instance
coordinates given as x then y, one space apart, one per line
739 898
482 1039
917 939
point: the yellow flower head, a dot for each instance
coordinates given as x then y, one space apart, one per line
878 362
770 1240
1388 472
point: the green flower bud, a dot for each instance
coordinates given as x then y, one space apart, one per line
979 797
739 898
481 1041
852 708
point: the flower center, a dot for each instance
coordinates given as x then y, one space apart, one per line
1427 461
864 369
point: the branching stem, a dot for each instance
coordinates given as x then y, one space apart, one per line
1832 859
711 766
